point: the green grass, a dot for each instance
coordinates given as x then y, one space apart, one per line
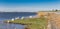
36 23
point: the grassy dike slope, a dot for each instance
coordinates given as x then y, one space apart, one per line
32 23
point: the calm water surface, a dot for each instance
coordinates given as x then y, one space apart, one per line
10 26
6 16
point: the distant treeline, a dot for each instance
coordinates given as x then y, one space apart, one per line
51 11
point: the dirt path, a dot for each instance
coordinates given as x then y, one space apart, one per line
54 21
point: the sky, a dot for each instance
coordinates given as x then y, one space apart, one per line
28 5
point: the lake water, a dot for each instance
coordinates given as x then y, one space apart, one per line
10 15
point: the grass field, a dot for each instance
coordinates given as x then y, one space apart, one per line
32 23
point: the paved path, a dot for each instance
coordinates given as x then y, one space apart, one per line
51 25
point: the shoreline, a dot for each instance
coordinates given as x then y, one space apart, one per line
32 23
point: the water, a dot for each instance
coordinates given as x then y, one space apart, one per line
10 26
10 15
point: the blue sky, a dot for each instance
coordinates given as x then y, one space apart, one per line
28 5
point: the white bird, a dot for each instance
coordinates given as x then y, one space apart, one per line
30 16
22 17
12 19
17 18
8 21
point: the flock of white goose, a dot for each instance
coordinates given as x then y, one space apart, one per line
18 18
